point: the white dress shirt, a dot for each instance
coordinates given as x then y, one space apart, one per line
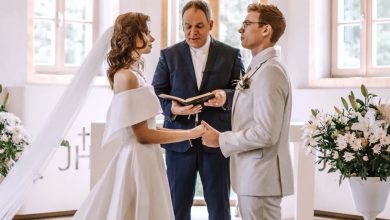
199 59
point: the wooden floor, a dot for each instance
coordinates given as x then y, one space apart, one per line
200 213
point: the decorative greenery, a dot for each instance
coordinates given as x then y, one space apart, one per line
355 140
3 106
13 138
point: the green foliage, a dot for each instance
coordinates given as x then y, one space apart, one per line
3 106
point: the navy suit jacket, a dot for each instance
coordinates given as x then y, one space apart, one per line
175 75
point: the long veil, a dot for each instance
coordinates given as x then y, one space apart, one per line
38 154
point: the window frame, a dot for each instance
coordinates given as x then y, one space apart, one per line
58 73
367 68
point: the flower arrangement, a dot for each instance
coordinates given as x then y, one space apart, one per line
13 138
355 140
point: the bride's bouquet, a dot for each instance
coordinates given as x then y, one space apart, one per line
13 138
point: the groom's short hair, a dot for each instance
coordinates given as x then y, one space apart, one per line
200 5
271 15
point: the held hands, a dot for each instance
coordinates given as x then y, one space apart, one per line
196 132
219 99
178 109
210 138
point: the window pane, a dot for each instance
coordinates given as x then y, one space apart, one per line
179 32
44 8
232 13
381 8
348 50
349 10
381 45
79 10
78 41
44 41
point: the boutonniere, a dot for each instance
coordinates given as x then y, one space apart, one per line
243 83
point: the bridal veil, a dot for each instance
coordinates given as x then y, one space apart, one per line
35 158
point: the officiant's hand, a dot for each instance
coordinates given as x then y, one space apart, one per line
219 100
178 109
210 138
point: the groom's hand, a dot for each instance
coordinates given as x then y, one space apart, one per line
211 136
219 100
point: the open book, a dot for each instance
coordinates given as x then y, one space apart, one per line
196 100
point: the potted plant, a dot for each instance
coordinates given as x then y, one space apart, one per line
355 141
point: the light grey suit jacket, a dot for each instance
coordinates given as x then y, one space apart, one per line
258 144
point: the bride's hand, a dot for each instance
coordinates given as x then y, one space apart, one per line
197 131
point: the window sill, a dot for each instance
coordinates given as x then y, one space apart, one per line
61 79
374 82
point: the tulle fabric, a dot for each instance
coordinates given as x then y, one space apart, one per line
36 157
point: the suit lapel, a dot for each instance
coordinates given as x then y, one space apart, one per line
263 59
188 63
211 57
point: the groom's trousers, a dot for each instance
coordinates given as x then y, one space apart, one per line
260 207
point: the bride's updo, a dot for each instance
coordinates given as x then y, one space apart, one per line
127 28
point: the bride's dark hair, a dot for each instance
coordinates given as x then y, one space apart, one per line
127 28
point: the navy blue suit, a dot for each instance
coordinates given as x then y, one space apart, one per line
175 75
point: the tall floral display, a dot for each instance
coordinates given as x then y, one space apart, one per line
13 138
354 141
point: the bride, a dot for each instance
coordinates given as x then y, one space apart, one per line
134 185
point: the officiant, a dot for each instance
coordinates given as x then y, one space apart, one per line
197 65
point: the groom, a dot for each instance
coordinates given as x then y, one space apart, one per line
258 144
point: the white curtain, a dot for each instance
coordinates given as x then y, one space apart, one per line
38 154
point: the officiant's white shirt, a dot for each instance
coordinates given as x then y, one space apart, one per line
199 60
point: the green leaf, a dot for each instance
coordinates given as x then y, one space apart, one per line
353 101
364 91
337 110
315 112
1 88
5 103
360 102
353 95
345 103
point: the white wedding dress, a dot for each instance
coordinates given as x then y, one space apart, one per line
134 186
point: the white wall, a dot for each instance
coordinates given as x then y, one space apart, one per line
13 42
34 102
